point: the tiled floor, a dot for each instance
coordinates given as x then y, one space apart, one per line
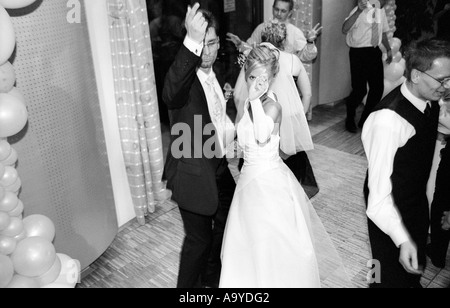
147 256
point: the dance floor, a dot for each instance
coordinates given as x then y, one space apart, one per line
148 256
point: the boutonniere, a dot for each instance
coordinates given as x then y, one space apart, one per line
228 91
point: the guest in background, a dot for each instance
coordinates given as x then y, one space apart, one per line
366 28
399 139
201 183
440 205
442 19
296 42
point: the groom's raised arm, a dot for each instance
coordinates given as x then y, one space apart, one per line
182 72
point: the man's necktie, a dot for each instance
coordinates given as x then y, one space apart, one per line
217 111
427 111
375 31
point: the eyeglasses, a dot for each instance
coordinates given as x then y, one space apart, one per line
445 83
212 44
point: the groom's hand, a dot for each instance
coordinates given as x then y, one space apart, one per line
195 24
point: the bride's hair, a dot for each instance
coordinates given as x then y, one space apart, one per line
263 56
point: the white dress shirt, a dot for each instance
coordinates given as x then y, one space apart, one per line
383 134
224 127
360 34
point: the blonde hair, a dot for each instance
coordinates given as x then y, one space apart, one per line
263 55
275 33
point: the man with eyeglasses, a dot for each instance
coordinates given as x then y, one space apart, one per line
197 174
399 139
296 42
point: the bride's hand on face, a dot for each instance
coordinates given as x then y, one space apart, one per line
258 86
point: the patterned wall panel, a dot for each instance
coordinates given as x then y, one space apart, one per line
62 154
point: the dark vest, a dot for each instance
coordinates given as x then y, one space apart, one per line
412 162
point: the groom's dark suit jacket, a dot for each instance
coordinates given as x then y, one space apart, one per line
191 179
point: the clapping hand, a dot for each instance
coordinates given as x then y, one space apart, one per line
312 35
195 24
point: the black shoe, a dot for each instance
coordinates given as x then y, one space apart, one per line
351 126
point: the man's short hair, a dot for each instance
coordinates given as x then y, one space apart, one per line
291 3
420 55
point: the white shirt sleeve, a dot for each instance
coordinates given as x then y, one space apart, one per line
383 134
384 21
193 46
255 38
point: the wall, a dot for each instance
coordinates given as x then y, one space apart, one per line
63 162
96 12
334 82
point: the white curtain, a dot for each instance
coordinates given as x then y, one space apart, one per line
137 105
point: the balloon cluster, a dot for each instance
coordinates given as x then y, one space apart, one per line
393 72
28 258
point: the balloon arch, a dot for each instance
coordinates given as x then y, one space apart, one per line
28 258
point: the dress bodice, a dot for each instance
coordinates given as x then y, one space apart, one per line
255 153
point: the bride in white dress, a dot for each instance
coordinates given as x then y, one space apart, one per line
271 233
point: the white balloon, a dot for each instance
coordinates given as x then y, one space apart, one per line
7 36
16 4
7 77
70 271
18 94
13 115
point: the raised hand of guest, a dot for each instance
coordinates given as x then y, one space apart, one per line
234 39
312 34
195 24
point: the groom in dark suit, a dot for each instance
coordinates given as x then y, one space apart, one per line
196 169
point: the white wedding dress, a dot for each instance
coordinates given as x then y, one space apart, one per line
271 232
